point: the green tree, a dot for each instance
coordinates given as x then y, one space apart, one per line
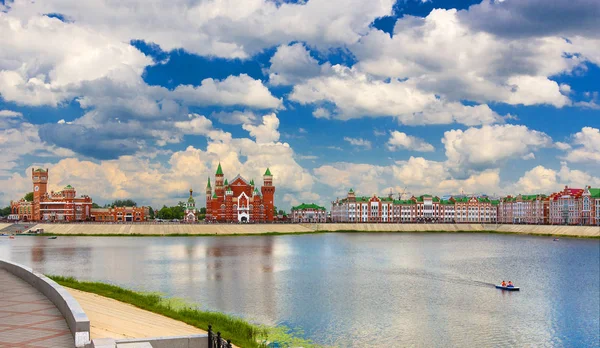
203 211
5 211
95 205
29 197
124 203
151 212
165 213
281 212
178 212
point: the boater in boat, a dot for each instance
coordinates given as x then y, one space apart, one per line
510 286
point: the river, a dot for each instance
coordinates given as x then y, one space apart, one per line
357 289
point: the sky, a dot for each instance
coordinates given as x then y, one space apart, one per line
142 99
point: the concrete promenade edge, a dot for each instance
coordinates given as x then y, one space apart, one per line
77 321
232 229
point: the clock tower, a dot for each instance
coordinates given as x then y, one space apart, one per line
40 187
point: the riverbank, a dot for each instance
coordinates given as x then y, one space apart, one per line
252 229
116 312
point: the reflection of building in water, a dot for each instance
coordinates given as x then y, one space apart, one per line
241 276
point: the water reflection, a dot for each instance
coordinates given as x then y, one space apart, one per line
353 290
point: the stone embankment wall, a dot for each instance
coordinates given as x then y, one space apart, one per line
2 225
579 231
224 229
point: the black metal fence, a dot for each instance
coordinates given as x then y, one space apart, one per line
216 341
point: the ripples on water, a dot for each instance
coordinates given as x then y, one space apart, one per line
358 290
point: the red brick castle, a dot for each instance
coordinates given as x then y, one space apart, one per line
239 200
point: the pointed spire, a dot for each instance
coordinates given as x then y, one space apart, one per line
268 172
215 194
226 183
219 170
252 182
208 185
191 191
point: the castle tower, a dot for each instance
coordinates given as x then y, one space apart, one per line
351 196
219 190
40 188
268 193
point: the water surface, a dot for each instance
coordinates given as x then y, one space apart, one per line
355 289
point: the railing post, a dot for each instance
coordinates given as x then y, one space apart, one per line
219 340
210 337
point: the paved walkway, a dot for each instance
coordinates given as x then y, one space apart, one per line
28 319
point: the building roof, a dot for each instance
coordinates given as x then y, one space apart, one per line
208 184
351 191
226 182
268 172
594 192
252 182
219 170
68 187
308 206
40 170
215 195
407 201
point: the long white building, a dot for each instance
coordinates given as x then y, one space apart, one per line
424 208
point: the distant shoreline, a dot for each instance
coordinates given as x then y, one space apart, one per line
177 230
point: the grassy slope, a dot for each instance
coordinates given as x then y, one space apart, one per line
241 333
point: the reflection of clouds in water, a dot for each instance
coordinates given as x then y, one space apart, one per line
5 248
358 289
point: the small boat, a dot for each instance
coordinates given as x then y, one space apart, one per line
54 237
512 288
11 237
556 239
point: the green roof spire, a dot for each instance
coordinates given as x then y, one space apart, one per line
351 191
208 185
215 194
226 183
268 172
219 170
252 182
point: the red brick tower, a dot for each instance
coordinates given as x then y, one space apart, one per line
219 189
268 193
40 188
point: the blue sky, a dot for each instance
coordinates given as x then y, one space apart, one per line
125 100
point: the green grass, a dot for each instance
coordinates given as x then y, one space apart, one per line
240 332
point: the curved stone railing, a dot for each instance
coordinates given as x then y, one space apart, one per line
77 320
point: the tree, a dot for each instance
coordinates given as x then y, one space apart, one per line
5 211
124 203
95 205
29 197
151 212
165 213
281 212
178 212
